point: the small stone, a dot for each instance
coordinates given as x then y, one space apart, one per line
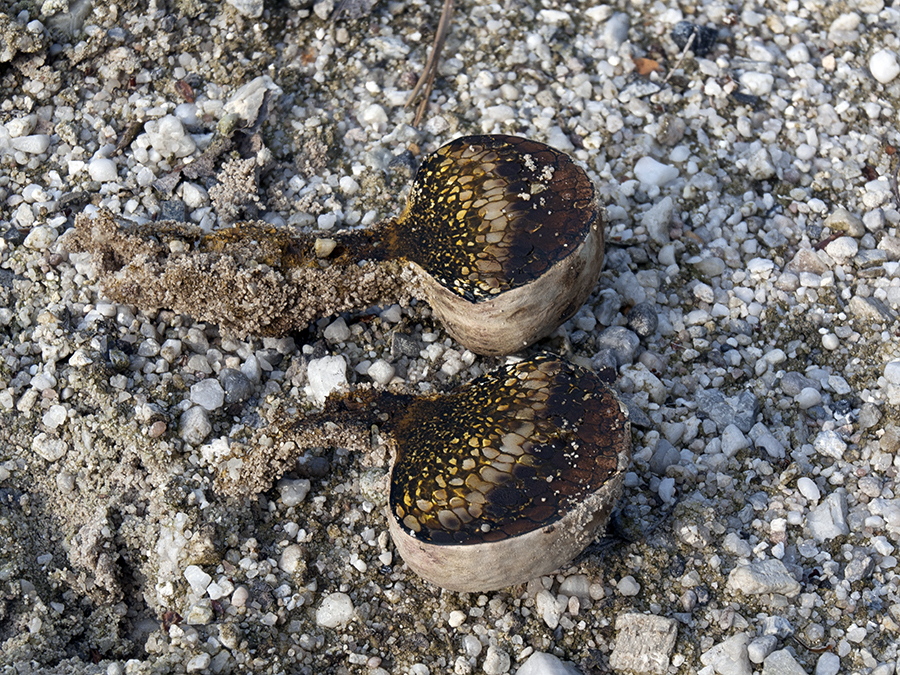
704 37
496 661
830 342
622 342
324 246
733 440
664 456
292 559
860 567
381 372
293 491
337 331
758 84
199 615
548 608
842 249
807 398
643 319
55 416
829 663
238 387
456 618
197 578
759 164
736 545
326 375
830 444
194 196
194 426
199 662
761 647
336 610
808 488
208 393
541 663
103 170
49 448
729 657
644 643
763 576
628 586
650 172
40 237
841 220
32 145
884 66
252 9
782 662
892 371
169 138
657 219
829 519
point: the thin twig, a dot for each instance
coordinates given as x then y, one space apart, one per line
426 80
683 54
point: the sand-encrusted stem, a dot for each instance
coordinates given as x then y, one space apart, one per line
496 482
501 235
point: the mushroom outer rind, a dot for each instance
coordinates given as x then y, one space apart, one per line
517 560
516 318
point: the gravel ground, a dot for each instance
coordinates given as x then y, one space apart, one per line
749 302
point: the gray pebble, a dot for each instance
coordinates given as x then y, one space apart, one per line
761 647
623 342
238 387
194 426
747 408
777 626
763 576
208 393
829 519
172 209
656 220
729 657
710 267
793 383
313 467
782 662
860 567
841 220
644 643
403 345
664 456
712 403
252 9
607 310
605 359
642 319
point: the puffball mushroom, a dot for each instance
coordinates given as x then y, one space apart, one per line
500 480
501 235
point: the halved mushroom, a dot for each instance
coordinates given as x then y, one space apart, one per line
496 482
501 235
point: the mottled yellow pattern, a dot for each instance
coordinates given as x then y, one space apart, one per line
491 213
512 451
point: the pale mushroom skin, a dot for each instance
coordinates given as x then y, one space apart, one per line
491 566
520 317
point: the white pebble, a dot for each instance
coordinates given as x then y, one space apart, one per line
197 578
829 663
541 663
892 371
649 171
348 185
337 331
884 66
293 491
33 145
374 116
194 425
842 248
758 84
48 447
102 170
381 371
549 610
208 393
168 137
55 416
456 619
292 558
336 610
326 375
194 196
808 397
666 490
240 596
808 488
40 237
830 444
326 221
830 341
628 586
